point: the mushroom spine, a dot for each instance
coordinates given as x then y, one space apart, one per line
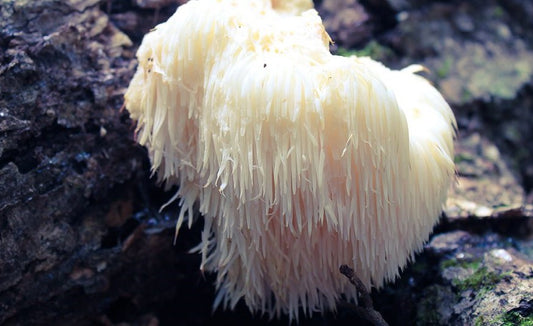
300 160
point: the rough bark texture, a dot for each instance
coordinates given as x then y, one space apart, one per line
69 169
81 238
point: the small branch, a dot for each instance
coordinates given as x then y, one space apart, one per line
366 309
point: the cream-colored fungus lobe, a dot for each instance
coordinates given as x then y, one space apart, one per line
300 160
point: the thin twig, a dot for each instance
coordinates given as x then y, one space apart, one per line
366 309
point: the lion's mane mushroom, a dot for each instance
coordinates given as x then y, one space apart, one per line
300 160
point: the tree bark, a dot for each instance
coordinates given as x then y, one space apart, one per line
70 172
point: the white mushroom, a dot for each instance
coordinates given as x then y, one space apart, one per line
300 160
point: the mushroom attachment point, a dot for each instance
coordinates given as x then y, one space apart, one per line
299 160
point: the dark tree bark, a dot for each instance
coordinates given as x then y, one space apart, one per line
70 173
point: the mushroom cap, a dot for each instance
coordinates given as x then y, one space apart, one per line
300 160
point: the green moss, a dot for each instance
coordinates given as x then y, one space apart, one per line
463 157
479 321
465 263
481 281
372 49
449 263
498 12
466 95
444 68
345 52
514 318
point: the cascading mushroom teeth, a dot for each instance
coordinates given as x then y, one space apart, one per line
300 161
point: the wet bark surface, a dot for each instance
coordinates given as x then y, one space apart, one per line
82 240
